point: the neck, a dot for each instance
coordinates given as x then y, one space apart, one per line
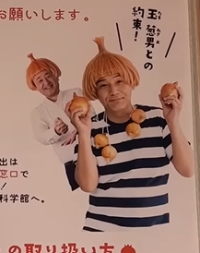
120 116
54 98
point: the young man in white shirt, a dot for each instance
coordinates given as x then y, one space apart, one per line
131 190
51 125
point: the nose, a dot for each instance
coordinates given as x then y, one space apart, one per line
45 82
113 90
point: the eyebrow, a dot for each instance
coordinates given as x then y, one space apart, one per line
103 79
100 80
38 78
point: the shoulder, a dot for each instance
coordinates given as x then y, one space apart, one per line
150 110
70 92
98 117
98 123
154 115
147 108
38 111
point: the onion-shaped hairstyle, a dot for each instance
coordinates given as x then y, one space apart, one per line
105 64
38 65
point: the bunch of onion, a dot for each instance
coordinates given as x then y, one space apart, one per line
133 129
108 151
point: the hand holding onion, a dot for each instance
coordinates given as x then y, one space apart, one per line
78 110
79 102
171 98
169 89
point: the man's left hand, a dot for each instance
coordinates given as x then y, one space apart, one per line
70 139
172 107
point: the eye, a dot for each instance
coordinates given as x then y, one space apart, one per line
119 81
103 85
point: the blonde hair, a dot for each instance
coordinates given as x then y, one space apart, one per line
104 64
38 65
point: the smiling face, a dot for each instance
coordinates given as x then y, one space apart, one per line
113 93
47 84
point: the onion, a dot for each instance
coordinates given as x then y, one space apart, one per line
109 153
79 102
138 116
101 140
169 89
133 130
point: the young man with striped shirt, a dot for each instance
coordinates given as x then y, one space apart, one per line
131 190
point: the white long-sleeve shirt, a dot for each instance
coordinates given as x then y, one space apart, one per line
43 119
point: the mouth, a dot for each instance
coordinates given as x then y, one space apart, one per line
115 100
49 86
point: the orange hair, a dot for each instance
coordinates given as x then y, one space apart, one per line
104 64
38 65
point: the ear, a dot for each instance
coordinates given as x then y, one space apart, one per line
34 87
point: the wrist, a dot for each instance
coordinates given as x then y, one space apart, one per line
84 136
174 127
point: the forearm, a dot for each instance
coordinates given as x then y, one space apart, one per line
183 156
86 172
46 137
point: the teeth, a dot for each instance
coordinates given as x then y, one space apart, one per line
48 87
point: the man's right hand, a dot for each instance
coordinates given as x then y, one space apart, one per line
60 127
82 122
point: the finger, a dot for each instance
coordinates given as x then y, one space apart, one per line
75 95
76 116
60 123
170 97
173 103
65 130
56 120
161 100
67 111
89 113
77 110
63 127
65 143
59 129
176 84
180 92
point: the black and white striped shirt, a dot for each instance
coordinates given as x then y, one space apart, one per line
132 190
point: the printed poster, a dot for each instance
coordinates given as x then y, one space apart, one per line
97 128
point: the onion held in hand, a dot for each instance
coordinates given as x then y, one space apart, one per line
79 102
133 130
138 116
169 89
101 140
109 153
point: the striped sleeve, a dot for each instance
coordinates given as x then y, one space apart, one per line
70 169
167 139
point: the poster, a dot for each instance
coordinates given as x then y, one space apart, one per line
41 208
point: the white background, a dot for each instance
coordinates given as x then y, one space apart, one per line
69 44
